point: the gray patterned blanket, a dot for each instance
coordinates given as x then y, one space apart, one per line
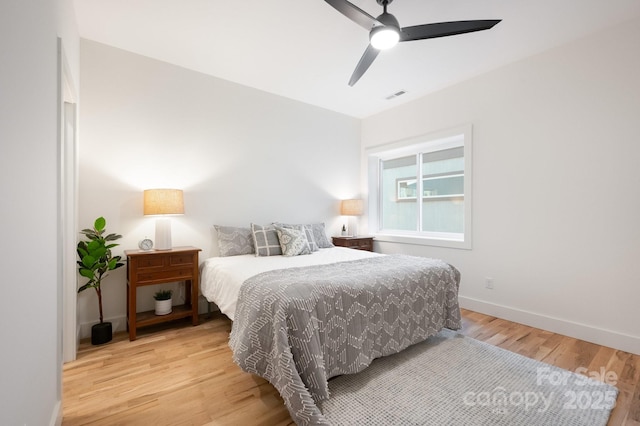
299 327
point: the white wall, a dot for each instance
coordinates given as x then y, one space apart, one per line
239 154
29 313
556 186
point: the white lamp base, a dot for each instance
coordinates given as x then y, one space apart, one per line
163 234
353 226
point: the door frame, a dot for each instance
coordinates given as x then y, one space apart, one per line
67 207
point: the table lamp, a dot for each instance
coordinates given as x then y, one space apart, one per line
352 208
163 202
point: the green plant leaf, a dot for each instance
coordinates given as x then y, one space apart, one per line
87 273
99 253
100 223
82 250
163 294
94 245
88 261
84 287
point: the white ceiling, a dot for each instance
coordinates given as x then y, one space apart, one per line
306 50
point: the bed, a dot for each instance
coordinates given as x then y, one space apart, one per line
222 277
299 321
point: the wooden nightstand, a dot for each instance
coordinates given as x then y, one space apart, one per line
157 267
359 243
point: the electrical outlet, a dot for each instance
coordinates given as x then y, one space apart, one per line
488 283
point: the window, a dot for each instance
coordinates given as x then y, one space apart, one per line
420 190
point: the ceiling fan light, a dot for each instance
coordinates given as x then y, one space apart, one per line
384 37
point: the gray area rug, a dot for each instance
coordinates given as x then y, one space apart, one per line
451 379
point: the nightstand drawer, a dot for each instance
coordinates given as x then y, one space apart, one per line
181 260
358 243
150 262
164 261
361 245
163 275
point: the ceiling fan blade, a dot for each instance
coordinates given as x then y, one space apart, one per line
354 13
363 65
443 29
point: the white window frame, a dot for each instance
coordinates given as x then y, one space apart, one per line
425 143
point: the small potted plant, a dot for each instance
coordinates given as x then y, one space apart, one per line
96 260
163 302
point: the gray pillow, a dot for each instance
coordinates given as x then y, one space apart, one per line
293 241
320 236
265 240
233 241
308 232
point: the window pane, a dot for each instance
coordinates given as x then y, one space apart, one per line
398 194
445 160
443 191
443 186
443 215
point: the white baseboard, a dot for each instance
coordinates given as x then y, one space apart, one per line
613 339
588 333
56 415
119 323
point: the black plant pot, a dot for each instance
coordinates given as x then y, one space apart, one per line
101 333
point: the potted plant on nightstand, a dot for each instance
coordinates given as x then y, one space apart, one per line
163 302
96 260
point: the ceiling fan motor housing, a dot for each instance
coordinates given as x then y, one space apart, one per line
385 31
388 20
387 34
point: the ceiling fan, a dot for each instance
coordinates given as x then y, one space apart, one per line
385 31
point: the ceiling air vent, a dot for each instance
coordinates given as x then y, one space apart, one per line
395 95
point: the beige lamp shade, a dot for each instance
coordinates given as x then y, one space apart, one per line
163 201
351 207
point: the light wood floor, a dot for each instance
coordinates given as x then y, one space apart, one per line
185 376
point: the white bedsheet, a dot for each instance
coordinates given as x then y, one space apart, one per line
221 277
